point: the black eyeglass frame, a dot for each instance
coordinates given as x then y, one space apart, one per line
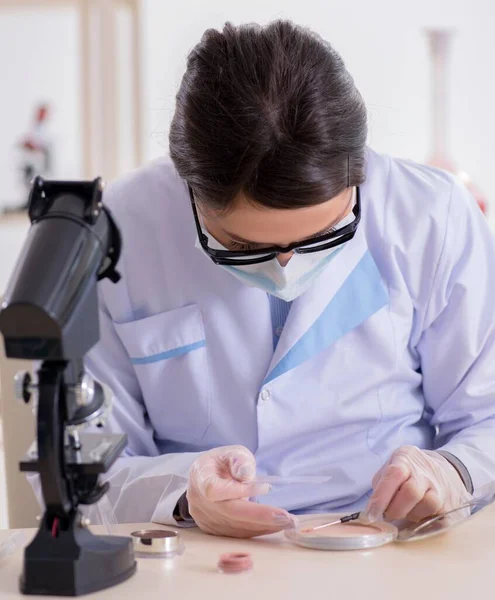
325 242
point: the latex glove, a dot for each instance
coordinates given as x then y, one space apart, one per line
415 484
220 485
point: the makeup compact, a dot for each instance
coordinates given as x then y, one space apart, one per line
160 543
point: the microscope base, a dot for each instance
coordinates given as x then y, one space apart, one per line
75 562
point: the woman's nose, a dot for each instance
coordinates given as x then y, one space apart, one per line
283 259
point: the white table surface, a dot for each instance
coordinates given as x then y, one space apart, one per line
458 565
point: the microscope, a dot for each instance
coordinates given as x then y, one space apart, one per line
50 314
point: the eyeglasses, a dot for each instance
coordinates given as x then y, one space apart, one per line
253 257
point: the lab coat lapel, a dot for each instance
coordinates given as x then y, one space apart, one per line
348 292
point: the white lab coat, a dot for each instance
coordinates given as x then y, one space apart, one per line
393 344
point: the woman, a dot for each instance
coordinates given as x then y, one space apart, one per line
293 303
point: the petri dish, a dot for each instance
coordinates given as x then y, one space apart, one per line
354 535
439 524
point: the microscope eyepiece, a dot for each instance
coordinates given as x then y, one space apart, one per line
49 306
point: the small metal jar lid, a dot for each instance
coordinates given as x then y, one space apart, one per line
157 542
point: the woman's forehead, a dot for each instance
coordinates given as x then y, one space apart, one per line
256 223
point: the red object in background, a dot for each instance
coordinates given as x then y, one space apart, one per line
42 113
33 140
475 191
33 155
36 147
439 42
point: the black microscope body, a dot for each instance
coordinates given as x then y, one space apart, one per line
50 314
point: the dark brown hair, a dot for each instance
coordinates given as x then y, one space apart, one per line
270 111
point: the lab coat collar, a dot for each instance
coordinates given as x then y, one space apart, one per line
347 293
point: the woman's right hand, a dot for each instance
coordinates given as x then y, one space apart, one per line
221 481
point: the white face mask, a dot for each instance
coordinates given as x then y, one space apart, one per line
289 282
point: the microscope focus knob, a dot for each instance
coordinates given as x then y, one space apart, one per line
23 386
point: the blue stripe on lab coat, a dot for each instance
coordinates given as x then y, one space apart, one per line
361 295
169 354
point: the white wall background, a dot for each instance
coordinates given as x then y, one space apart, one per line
38 62
381 41
384 48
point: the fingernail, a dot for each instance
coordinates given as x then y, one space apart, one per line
372 515
241 471
263 488
282 519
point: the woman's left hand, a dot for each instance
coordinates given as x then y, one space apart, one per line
415 484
